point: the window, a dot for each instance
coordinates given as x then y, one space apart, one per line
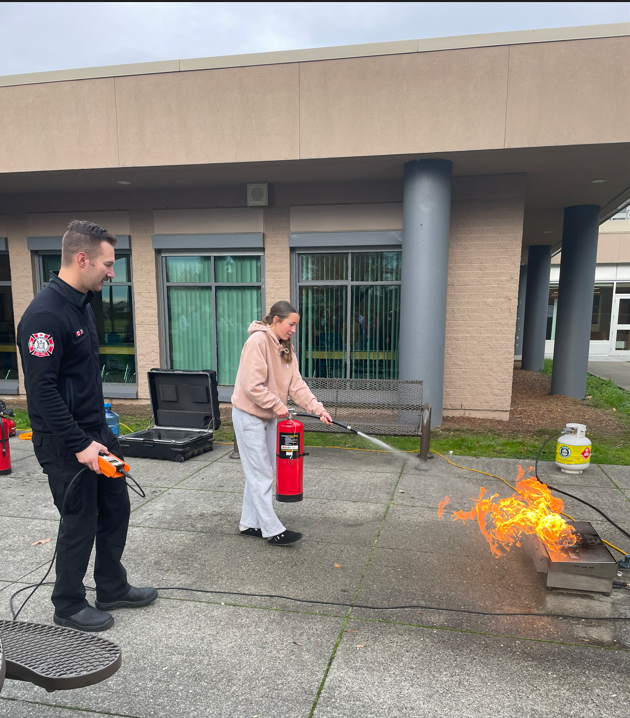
113 311
350 314
210 303
8 348
601 315
552 308
602 311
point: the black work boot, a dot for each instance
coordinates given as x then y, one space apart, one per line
134 598
87 619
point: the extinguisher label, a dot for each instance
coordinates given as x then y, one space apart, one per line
289 446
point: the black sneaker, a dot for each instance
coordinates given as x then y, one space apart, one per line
87 619
251 532
285 538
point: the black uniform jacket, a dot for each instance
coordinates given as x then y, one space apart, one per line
59 349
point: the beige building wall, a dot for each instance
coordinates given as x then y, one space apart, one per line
208 221
484 264
538 94
145 297
54 224
613 244
277 256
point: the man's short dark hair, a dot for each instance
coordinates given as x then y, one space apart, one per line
82 236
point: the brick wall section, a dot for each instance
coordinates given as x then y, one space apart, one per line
145 299
277 256
21 274
484 263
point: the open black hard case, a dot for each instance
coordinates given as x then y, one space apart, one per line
185 408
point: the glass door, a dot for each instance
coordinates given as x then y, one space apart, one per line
620 335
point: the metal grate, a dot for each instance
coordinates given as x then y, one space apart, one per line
57 658
386 407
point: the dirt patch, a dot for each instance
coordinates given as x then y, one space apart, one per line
534 408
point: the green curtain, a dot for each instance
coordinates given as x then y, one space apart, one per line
323 331
237 308
190 327
237 269
193 270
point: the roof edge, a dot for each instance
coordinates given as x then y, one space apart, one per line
455 42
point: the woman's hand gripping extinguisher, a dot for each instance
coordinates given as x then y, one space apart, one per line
289 461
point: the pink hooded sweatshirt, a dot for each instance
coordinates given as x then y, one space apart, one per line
265 378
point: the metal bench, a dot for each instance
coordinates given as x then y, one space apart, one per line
55 658
380 407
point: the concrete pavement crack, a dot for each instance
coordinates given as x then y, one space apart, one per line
354 597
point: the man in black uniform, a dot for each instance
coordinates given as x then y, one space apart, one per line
59 349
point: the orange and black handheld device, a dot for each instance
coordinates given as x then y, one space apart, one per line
115 468
112 466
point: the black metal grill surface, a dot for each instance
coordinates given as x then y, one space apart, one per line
386 407
2 665
57 658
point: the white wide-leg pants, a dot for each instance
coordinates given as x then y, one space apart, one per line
257 447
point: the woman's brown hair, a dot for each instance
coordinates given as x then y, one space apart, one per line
282 310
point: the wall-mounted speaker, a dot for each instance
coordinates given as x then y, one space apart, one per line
258 194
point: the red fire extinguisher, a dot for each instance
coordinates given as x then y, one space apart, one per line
289 461
8 415
5 454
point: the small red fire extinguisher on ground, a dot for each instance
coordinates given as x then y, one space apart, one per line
289 461
5 454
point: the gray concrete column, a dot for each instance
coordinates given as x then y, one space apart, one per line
426 226
536 301
575 300
520 312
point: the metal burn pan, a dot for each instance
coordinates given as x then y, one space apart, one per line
587 566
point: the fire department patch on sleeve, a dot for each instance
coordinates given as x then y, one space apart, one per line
41 345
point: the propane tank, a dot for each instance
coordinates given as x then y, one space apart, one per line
5 454
573 450
289 461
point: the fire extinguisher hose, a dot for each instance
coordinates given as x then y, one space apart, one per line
338 423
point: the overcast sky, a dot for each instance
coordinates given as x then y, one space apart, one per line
58 35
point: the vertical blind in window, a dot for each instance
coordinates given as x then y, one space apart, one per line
207 323
359 343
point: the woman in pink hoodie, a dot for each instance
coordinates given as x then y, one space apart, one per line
267 374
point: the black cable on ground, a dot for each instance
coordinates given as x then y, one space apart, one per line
52 561
137 490
375 608
577 498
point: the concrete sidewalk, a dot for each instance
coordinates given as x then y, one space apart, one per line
616 371
203 655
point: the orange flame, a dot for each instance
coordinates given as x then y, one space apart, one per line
533 511
441 506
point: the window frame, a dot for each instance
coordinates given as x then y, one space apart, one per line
165 285
349 282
